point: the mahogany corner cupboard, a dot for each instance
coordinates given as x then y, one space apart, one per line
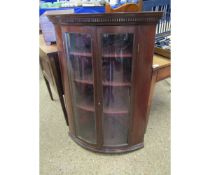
106 68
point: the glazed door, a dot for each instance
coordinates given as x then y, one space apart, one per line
117 53
79 47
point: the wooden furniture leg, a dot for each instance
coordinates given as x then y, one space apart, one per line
48 87
58 84
50 67
60 94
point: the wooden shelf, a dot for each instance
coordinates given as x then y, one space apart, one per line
114 111
84 81
105 83
86 108
105 111
111 83
117 55
85 54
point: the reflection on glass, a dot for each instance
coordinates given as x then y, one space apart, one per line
78 50
80 43
85 125
116 69
82 67
117 44
117 50
116 98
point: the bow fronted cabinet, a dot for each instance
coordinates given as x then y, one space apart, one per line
106 70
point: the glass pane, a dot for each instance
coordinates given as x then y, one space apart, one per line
78 50
117 51
116 98
116 69
116 127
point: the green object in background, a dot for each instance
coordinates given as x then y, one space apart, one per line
57 4
46 5
51 5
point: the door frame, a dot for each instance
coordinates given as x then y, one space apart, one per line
116 30
83 30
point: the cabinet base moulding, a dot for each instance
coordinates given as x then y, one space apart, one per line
110 150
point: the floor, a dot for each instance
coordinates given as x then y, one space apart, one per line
59 155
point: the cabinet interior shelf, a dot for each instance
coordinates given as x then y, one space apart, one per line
110 55
86 108
114 55
105 111
85 54
112 111
84 81
105 83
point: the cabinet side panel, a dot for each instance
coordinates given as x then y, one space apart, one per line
64 77
141 81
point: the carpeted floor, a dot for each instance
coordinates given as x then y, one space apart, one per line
59 155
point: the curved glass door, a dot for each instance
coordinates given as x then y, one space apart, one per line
79 54
117 53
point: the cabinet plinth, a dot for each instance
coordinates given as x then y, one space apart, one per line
106 67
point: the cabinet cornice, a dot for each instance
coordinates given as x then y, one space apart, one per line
66 18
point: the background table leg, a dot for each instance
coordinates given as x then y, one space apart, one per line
48 87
